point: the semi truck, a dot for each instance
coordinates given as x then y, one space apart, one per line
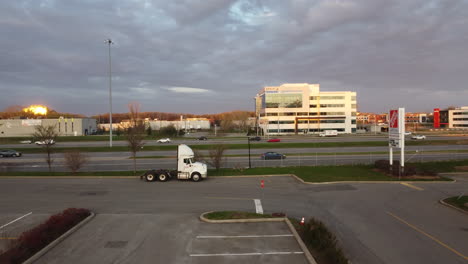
187 168
329 133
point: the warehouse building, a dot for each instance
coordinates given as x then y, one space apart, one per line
63 126
303 108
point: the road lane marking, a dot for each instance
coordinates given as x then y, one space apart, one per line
19 218
248 254
227 198
247 236
258 206
411 186
429 236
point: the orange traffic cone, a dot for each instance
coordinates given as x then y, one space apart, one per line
302 221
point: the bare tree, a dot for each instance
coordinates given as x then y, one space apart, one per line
216 155
75 160
47 135
135 132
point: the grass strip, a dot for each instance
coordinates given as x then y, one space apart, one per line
225 215
457 201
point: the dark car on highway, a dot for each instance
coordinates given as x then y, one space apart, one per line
255 138
272 155
9 153
202 138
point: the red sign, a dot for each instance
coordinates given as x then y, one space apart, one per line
393 119
436 118
262 184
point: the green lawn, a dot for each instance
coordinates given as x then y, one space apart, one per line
458 202
225 215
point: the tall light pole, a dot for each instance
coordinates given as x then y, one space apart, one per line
109 42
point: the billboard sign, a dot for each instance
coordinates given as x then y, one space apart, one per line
396 128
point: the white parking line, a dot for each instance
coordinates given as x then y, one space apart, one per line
258 206
15 220
247 236
247 254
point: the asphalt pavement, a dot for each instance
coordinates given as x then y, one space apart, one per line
141 222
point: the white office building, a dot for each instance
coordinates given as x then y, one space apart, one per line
301 108
458 118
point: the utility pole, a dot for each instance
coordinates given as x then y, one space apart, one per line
109 42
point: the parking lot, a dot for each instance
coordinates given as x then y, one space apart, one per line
140 222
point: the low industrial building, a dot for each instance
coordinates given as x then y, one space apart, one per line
294 108
63 126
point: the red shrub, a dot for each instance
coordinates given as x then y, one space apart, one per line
37 238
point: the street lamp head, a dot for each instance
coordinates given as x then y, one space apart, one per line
109 41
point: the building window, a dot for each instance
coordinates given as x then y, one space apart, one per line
460 125
332 97
353 113
353 98
302 114
353 121
272 114
283 101
331 105
460 113
332 121
460 119
353 106
314 98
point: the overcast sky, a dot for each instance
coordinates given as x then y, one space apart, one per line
210 56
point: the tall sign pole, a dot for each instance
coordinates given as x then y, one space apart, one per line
396 135
109 41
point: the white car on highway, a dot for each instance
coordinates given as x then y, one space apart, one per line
164 140
418 137
45 142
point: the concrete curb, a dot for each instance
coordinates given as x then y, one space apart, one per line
253 220
69 177
304 248
453 207
43 251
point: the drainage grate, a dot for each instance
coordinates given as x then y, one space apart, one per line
116 244
92 193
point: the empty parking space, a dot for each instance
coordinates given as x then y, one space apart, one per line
268 242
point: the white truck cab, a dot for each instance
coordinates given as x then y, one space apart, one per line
187 168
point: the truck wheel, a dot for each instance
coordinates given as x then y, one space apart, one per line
162 177
196 177
149 177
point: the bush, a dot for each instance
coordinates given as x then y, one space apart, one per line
323 243
37 238
409 170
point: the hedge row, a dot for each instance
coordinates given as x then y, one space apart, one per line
32 241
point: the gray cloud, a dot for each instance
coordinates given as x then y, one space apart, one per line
393 53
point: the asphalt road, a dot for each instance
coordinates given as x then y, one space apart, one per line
286 139
140 222
112 161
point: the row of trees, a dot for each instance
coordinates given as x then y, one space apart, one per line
134 134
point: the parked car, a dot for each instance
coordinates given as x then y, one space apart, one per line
26 141
418 137
272 155
255 138
274 140
164 140
202 138
9 153
45 142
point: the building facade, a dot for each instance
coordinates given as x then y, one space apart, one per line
303 108
458 118
63 126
